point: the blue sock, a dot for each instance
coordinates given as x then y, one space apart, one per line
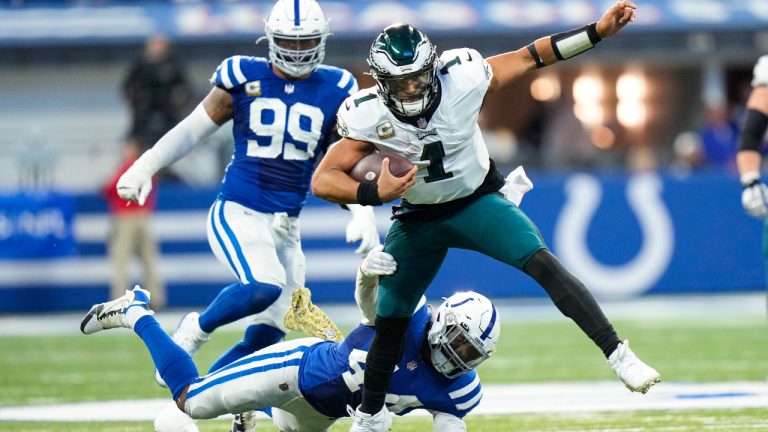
175 365
238 301
257 336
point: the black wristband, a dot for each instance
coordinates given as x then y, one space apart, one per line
753 130
535 54
750 184
368 194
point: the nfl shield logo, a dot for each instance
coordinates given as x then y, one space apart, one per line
289 88
421 122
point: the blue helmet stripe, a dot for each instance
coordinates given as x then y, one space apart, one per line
296 15
488 329
461 302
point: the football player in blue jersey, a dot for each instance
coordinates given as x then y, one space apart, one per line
309 383
425 107
283 111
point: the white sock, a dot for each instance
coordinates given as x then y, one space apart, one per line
133 313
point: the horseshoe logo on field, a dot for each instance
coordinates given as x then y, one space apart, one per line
583 196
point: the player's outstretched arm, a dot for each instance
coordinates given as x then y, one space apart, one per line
754 196
136 183
548 50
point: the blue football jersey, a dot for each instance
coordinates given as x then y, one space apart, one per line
331 376
280 129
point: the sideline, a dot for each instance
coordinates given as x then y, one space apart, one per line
498 399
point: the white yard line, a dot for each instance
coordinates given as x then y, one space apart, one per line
498 399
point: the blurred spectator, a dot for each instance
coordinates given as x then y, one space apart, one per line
157 90
131 235
687 154
718 138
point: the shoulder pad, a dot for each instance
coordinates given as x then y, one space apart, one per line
359 112
342 78
237 70
465 67
760 73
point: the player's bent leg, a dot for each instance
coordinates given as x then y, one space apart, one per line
132 311
573 299
266 378
237 301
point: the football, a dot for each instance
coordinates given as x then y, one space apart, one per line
368 168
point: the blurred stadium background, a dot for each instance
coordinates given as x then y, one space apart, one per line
635 189
630 146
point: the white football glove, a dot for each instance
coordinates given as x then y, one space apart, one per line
516 185
760 72
362 227
378 263
135 184
754 196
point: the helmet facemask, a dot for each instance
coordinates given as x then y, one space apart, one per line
403 62
462 335
297 45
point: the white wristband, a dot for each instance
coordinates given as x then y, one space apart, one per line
749 177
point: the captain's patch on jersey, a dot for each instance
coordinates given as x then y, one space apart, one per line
385 130
253 88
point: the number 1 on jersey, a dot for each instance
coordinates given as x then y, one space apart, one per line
434 153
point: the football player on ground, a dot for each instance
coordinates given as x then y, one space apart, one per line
284 114
310 383
425 108
754 196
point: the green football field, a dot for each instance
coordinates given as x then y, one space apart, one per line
114 366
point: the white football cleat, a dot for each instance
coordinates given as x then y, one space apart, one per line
245 422
636 375
104 316
364 422
189 336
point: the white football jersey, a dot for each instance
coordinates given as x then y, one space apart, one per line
452 157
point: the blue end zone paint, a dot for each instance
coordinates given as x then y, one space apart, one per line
715 395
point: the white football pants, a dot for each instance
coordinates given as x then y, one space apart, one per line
261 247
266 378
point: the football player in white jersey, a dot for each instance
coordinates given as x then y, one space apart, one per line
283 110
425 108
307 384
754 196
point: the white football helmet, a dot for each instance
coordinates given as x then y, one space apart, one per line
296 31
463 334
403 62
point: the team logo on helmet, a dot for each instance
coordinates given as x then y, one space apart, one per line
296 31
403 62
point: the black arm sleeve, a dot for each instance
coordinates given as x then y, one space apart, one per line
753 130
572 299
